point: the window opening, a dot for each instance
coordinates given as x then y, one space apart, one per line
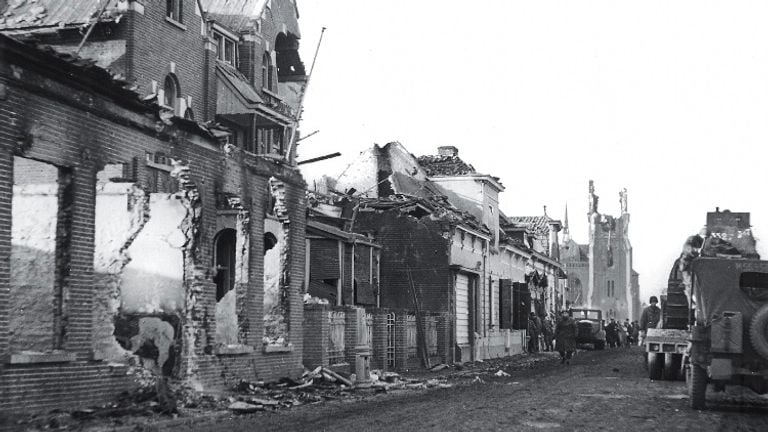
41 218
266 70
174 10
170 92
225 260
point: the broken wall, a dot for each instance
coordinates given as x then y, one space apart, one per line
410 246
139 268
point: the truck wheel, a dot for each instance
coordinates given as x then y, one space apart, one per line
672 366
697 386
600 345
758 332
655 365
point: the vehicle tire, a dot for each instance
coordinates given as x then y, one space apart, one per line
758 332
697 386
655 365
672 366
600 345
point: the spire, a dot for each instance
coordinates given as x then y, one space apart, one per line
566 232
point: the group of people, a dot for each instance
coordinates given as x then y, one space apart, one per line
542 332
621 334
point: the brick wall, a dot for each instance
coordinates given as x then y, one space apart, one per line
47 119
411 245
155 42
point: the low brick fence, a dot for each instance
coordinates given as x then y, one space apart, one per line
330 337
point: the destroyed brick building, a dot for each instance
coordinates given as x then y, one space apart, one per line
600 273
163 229
444 249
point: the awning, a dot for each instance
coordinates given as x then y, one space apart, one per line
235 94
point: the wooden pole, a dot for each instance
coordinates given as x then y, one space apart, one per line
420 331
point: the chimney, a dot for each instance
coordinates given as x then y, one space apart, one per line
448 151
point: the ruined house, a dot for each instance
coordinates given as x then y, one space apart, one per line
600 272
343 266
437 220
173 219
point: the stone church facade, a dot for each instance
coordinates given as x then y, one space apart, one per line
600 273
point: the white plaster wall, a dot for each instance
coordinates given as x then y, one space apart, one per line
272 275
402 161
226 319
115 223
33 264
119 215
362 174
153 280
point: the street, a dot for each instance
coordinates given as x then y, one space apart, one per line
599 390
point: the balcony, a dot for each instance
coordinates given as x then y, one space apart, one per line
274 102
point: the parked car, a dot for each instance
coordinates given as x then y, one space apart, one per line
590 328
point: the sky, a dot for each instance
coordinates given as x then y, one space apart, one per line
668 99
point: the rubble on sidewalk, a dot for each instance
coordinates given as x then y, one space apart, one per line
159 399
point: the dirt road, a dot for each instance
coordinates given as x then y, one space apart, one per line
599 390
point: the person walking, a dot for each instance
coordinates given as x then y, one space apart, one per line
628 330
612 333
636 332
565 337
533 333
547 333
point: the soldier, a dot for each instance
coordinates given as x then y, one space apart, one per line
649 319
533 333
546 331
565 337
650 316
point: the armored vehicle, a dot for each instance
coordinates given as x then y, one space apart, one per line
729 333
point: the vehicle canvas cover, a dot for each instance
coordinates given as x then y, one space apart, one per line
729 285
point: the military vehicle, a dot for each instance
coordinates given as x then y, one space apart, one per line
590 328
666 345
729 332
725 288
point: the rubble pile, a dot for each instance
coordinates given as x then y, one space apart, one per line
156 398
318 385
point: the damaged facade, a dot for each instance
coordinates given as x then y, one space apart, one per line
443 247
600 273
173 219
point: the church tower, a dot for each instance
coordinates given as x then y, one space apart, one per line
611 285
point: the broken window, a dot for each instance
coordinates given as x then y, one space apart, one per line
40 235
274 314
139 245
120 214
226 268
289 64
225 262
